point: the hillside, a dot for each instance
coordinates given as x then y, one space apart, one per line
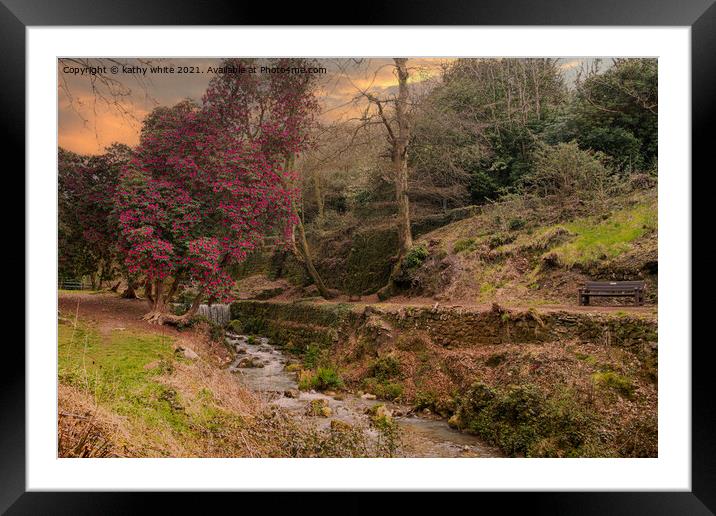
479 259
468 261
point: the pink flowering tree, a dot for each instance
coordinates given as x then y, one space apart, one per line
87 228
193 201
277 112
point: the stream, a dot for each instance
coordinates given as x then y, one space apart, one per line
422 436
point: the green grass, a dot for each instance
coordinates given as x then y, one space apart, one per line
322 379
465 244
599 239
487 289
112 372
612 380
113 368
382 388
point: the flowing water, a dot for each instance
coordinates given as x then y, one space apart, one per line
218 313
423 436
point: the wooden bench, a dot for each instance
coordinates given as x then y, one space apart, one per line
633 289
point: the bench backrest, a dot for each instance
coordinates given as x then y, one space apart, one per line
614 285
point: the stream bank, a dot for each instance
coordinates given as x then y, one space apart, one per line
548 382
261 366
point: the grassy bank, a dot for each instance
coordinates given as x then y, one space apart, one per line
131 392
158 403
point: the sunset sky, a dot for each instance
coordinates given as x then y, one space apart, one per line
87 124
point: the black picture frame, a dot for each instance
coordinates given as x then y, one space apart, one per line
700 15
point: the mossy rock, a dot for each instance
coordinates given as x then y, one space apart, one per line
319 407
370 261
236 326
338 425
381 416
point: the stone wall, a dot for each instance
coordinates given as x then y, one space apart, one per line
296 324
325 323
460 327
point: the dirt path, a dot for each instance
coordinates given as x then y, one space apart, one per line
108 312
255 287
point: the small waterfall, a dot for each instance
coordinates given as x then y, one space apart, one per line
219 314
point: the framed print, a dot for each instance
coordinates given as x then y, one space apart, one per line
447 251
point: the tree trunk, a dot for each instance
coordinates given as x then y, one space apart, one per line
305 257
399 156
302 250
318 194
400 160
159 305
130 291
148 292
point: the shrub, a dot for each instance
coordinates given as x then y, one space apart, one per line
410 270
216 332
305 380
312 356
522 420
415 257
620 145
385 367
424 399
383 389
363 197
391 391
236 326
324 378
571 179
253 325
500 239
327 378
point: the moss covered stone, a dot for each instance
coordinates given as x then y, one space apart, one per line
370 260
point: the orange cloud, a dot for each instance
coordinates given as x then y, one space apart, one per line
87 124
